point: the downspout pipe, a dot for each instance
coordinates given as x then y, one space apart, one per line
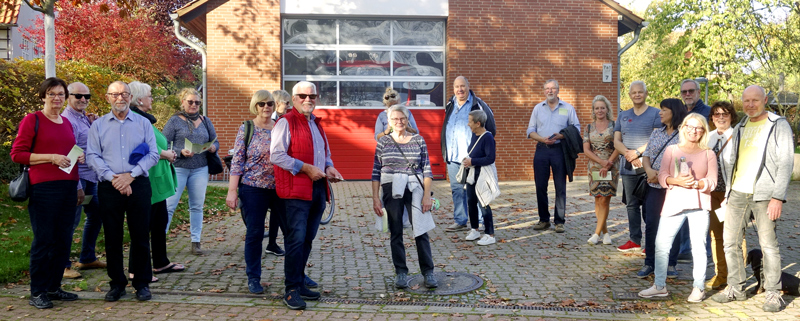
176 23
619 62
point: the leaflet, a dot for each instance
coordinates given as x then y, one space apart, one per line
73 158
197 148
596 176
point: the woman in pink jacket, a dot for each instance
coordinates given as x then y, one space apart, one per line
689 173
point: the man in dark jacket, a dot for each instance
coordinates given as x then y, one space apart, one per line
548 119
456 136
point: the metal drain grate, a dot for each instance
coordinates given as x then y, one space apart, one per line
449 283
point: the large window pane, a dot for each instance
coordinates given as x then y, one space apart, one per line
364 32
309 31
420 93
362 93
418 33
364 63
325 89
418 63
309 62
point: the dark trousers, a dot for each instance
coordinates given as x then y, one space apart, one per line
52 210
115 207
654 201
394 208
255 203
302 222
474 214
636 211
158 237
545 159
91 226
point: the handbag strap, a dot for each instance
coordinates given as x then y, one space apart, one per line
413 167
33 141
662 147
476 144
723 145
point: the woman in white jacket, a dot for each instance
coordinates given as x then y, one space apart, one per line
481 155
724 116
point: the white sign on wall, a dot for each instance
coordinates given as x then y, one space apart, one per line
606 72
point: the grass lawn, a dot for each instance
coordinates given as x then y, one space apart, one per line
16 235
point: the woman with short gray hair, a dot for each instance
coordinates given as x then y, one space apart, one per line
481 153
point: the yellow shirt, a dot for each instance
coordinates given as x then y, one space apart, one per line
749 160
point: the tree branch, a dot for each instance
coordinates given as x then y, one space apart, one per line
40 9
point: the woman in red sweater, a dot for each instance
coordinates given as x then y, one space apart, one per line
43 141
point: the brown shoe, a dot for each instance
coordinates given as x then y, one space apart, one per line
97 264
196 248
717 283
71 274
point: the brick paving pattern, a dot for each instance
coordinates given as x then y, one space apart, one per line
527 275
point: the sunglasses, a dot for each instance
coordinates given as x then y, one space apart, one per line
303 96
261 104
688 91
389 96
81 96
195 102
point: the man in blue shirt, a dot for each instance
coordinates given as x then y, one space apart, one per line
547 120
456 136
121 149
690 93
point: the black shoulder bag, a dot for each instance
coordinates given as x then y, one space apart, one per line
640 191
214 162
20 188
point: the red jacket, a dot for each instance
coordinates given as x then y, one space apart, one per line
301 147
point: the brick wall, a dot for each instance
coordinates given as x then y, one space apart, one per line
507 49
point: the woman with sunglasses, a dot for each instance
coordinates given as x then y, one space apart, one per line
252 174
382 126
283 103
191 168
689 173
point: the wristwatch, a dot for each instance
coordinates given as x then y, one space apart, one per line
638 153
695 185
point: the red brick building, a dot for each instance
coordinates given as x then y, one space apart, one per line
352 50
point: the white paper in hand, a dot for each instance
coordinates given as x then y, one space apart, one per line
720 212
73 158
382 222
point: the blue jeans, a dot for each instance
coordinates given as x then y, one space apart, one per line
459 195
667 229
50 207
635 207
255 203
740 206
196 181
302 222
91 226
654 201
546 158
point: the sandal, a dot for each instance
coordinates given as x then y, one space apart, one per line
172 267
153 280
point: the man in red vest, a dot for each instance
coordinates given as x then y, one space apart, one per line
302 160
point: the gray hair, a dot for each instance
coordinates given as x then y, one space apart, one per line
549 81
282 95
638 82
257 97
303 84
399 108
138 90
465 80
479 116
118 82
696 84
605 101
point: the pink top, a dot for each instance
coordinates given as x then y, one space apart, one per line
702 165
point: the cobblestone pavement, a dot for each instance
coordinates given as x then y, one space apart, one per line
527 274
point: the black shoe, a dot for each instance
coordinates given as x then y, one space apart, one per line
143 294
685 258
430 281
274 249
307 294
310 283
254 285
40 301
61 295
115 294
293 300
401 282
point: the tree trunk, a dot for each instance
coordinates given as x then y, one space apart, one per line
50 39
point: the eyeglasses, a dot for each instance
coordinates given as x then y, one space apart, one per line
117 95
261 104
697 129
721 114
81 96
52 95
303 96
196 102
688 91
389 96
403 119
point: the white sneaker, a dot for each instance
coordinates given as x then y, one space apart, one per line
606 239
594 239
654 291
486 240
473 235
697 296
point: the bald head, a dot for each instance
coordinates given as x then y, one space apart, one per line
754 102
76 90
461 89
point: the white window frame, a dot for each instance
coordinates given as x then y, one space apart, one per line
388 48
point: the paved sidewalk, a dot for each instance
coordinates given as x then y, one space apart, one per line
536 274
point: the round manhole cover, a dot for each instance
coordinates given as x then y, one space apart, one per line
449 283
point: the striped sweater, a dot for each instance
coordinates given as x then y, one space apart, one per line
388 159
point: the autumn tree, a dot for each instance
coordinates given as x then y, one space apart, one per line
103 34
